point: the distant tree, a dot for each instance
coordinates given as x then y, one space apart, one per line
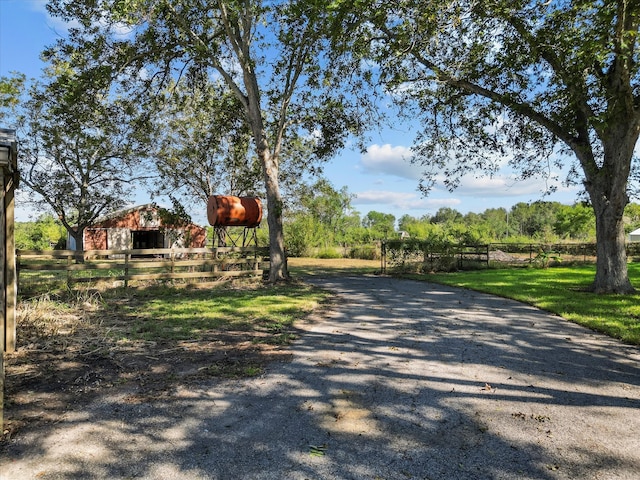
534 219
43 234
446 215
418 228
320 216
330 207
576 222
472 218
381 225
539 83
355 233
302 234
497 221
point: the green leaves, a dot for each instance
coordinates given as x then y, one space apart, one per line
318 450
11 89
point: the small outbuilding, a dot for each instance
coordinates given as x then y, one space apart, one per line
140 227
635 236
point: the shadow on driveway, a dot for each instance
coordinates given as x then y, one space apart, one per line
398 380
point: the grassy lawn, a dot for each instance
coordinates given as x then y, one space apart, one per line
560 290
76 344
181 313
163 313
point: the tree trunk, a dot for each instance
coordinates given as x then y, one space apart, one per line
278 260
607 188
78 236
611 263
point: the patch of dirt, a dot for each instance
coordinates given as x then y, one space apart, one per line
500 256
71 359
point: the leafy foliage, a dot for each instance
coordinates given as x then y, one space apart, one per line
322 217
80 144
202 143
534 84
43 234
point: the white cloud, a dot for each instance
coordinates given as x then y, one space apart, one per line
496 186
389 160
56 24
504 186
402 202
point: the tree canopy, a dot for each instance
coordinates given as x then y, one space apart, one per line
201 143
532 84
81 147
271 55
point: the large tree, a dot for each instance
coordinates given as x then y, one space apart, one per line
537 83
79 146
270 54
321 216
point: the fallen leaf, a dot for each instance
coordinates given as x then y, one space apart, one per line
317 450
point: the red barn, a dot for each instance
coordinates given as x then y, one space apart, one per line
140 227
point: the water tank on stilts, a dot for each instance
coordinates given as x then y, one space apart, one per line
229 211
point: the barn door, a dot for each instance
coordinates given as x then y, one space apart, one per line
118 238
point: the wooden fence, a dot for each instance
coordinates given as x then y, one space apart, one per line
418 255
189 264
413 254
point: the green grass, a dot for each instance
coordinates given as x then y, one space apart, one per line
260 313
561 290
164 313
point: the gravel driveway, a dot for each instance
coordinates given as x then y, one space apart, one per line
398 380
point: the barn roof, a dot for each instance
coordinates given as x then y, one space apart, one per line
125 211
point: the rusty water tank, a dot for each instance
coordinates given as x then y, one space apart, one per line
230 211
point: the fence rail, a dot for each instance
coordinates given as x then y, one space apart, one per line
412 254
423 255
145 264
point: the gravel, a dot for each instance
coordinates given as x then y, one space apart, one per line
398 380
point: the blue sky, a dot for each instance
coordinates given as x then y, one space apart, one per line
382 179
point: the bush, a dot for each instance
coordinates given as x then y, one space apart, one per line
365 252
329 253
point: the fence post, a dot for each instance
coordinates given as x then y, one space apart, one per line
70 259
126 269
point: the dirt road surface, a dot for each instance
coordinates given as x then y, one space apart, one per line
398 380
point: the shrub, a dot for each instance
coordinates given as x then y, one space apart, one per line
329 252
365 252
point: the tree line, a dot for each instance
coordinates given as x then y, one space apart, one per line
178 93
320 220
324 221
